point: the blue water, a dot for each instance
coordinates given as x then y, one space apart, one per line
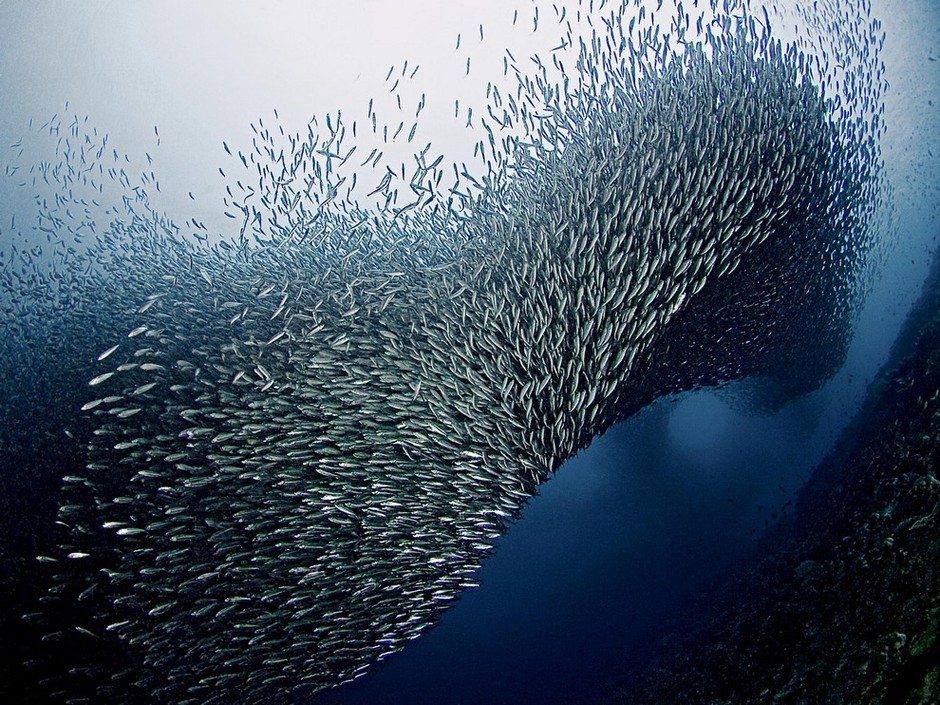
603 556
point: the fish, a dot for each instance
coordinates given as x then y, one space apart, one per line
107 352
291 494
100 378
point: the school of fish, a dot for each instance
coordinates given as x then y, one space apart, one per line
298 444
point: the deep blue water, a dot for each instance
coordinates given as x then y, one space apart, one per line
603 556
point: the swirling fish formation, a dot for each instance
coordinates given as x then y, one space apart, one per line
300 449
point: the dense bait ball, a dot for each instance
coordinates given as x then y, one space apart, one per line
299 445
